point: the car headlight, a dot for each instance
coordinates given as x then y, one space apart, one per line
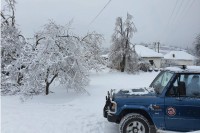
113 107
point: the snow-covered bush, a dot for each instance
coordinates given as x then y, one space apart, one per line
144 66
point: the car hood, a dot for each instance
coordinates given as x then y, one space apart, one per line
143 91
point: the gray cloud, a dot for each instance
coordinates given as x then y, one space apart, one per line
151 18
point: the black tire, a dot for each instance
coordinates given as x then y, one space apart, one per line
135 123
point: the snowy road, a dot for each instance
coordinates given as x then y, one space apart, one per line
62 112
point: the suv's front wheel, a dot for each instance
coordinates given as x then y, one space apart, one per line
134 123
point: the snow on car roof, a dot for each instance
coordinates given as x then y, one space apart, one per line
179 55
180 69
146 52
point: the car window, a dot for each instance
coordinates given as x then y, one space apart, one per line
193 86
161 81
186 85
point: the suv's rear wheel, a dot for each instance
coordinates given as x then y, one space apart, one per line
134 123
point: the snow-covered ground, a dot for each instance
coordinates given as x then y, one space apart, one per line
62 112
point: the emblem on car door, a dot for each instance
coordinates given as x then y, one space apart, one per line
171 111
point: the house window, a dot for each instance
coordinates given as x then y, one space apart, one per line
151 62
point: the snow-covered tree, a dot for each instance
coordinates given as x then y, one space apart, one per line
8 13
197 48
122 55
92 50
9 34
12 44
58 57
56 54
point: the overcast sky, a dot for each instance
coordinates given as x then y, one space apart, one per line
172 22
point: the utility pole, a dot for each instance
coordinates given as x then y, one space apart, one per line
155 46
158 46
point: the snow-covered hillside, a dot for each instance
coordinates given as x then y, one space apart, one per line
62 112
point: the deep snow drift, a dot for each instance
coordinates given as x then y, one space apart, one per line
62 112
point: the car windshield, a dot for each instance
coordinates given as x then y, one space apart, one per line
161 81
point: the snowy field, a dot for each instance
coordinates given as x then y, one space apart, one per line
62 112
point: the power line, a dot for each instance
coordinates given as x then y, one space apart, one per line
182 10
170 19
187 8
172 13
100 12
175 16
179 9
191 4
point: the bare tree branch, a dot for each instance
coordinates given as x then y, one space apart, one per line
6 21
38 40
53 78
70 36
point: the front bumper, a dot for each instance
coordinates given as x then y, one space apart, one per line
113 118
105 112
110 117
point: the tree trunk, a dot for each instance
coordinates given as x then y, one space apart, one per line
47 88
126 50
49 83
19 79
122 64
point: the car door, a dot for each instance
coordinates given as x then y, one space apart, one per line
182 110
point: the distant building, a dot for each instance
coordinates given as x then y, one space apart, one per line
105 56
179 58
149 55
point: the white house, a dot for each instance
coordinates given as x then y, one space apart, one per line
105 56
149 55
179 58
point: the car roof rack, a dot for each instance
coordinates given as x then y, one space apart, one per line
184 67
180 66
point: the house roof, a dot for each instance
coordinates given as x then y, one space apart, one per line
179 55
104 55
143 51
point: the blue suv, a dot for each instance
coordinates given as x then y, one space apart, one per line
171 102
